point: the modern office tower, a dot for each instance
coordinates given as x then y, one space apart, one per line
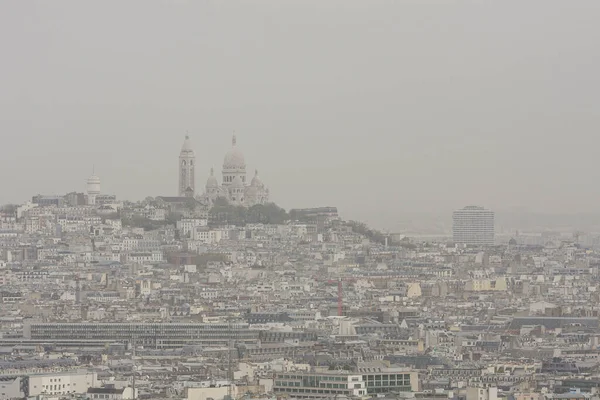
474 226
93 189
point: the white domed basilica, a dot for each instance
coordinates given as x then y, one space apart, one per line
234 187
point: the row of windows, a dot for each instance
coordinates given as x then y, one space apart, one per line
405 377
215 338
119 326
386 390
229 179
322 378
56 387
370 380
315 391
299 384
388 384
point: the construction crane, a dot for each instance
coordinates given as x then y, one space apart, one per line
77 278
340 299
230 345
134 345
340 294
92 234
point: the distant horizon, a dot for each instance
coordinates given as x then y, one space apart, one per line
380 108
592 219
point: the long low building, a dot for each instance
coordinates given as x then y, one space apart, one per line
553 322
367 381
151 335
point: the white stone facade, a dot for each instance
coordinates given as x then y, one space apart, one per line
234 186
187 168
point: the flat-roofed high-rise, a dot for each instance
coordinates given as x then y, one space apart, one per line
474 226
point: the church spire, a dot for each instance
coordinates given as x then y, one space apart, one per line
233 140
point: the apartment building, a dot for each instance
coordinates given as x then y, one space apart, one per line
474 226
51 384
61 384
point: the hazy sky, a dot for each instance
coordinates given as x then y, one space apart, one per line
378 107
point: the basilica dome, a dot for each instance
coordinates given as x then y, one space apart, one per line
212 181
234 159
256 181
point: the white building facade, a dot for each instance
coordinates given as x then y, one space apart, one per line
62 384
187 168
234 186
474 226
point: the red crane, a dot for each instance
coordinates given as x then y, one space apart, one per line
340 301
340 294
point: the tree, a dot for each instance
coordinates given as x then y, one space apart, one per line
9 208
139 221
221 201
225 213
203 259
191 204
173 217
269 213
149 201
364 230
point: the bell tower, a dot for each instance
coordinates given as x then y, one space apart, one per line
187 166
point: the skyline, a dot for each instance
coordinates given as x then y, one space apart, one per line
382 111
300 199
431 219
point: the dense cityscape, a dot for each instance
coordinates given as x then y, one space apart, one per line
218 293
